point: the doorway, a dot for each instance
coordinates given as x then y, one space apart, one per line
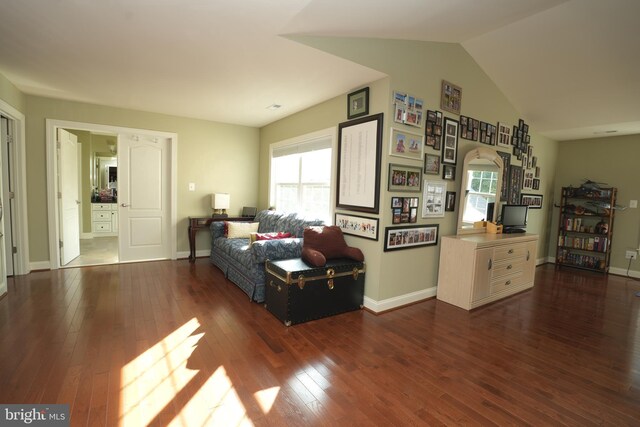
112 230
14 191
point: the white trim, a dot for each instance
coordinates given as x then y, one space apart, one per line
623 272
40 265
399 301
22 265
52 202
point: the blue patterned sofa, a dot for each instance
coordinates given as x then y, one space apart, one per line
244 264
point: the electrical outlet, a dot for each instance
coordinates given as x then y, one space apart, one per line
631 255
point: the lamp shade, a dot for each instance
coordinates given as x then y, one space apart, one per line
220 201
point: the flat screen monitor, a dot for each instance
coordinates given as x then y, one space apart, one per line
514 217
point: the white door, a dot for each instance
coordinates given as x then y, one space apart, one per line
144 167
7 191
69 200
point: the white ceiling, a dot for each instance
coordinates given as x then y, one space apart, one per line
569 67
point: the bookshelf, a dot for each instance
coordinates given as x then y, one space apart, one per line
585 228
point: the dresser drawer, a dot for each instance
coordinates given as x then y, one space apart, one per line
102 227
101 206
101 215
509 252
506 267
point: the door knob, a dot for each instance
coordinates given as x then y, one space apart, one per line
124 205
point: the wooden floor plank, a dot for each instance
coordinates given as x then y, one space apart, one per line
174 343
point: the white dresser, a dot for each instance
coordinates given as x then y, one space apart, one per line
478 269
104 219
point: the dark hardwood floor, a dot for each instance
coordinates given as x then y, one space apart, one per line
164 343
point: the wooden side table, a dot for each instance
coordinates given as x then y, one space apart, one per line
197 223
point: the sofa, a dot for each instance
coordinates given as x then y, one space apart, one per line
243 262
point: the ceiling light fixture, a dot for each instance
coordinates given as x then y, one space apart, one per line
274 107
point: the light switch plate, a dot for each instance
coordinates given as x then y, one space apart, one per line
192 186
633 204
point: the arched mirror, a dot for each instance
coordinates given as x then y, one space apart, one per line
481 183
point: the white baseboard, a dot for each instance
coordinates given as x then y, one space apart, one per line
399 301
40 265
623 272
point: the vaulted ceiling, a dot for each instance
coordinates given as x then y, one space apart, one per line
570 67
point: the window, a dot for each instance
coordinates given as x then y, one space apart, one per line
481 190
301 171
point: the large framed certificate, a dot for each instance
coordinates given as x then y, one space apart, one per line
359 156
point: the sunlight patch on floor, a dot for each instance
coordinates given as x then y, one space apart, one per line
158 385
152 380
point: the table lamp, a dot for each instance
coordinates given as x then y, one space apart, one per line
220 203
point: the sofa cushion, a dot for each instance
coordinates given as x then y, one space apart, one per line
323 243
241 230
269 236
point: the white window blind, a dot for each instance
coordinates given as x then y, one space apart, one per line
301 177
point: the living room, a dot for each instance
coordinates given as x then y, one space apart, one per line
224 157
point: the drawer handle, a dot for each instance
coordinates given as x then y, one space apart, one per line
489 264
509 267
510 251
330 283
528 254
507 283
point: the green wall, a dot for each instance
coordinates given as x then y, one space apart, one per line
11 95
614 161
417 68
215 156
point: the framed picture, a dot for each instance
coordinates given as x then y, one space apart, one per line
534 201
404 209
404 178
433 198
450 141
399 112
506 162
504 135
450 201
487 133
410 236
432 164
515 184
406 144
450 97
448 172
358 103
469 128
359 154
359 226
408 109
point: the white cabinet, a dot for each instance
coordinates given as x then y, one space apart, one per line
104 219
481 268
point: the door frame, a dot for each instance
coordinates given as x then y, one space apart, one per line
52 125
20 225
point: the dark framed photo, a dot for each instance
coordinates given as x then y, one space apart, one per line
358 226
451 97
410 236
405 178
448 172
363 135
450 201
506 162
515 184
404 209
450 141
358 103
534 201
431 164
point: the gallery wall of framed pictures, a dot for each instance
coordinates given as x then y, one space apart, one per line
427 161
